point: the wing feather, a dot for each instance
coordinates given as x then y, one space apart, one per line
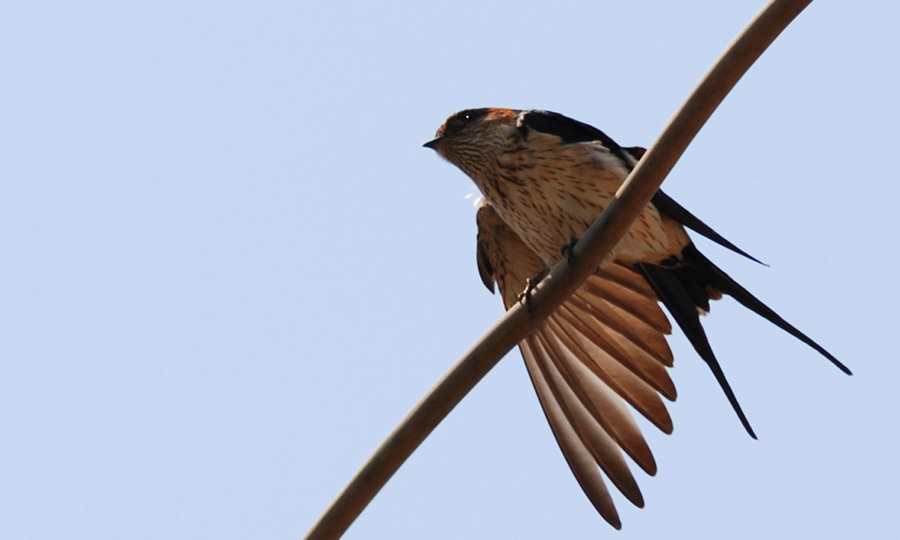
611 373
635 359
596 430
601 384
580 459
603 350
625 325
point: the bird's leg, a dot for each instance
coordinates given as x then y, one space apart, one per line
530 286
567 250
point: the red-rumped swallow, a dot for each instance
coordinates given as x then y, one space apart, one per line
545 178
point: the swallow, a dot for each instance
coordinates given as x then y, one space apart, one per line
544 179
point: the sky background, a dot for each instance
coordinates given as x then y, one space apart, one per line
229 268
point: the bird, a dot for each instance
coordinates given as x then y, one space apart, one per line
544 178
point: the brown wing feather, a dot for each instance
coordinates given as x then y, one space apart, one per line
623 352
580 459
602 350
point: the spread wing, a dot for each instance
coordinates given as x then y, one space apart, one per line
602 350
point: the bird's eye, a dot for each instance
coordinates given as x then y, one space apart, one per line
464 118
461 119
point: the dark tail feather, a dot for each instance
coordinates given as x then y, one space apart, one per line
668 206
685 287
720 280
679 295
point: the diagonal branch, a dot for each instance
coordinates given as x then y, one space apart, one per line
603 235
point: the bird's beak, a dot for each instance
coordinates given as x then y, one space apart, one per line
434 143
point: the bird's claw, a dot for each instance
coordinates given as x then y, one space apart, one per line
568 250
530 285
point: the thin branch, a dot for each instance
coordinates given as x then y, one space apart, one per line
603 235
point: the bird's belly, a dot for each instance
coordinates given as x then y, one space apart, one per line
548 233
548 208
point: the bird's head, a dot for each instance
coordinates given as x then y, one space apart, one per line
471 139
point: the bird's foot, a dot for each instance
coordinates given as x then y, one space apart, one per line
567 250
530 285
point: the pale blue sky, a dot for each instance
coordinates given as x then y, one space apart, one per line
229 268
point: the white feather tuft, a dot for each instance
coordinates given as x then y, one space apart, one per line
477 198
